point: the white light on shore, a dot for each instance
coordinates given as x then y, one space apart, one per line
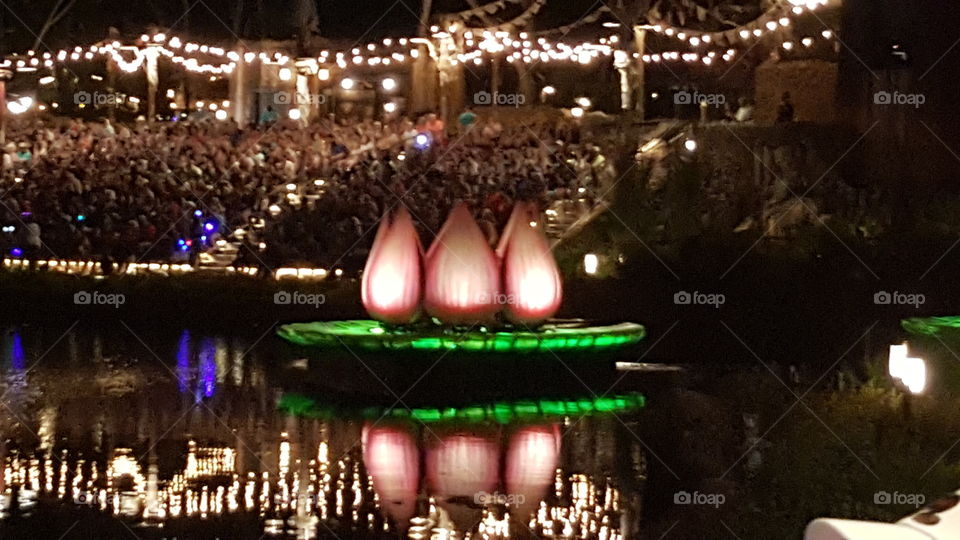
590 263
389 84
20 106
347 83
576 112
690 145
911 371
390 107
294 114
285 74
221 114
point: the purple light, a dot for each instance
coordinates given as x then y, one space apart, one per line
208 367
183 361
16 252
210 226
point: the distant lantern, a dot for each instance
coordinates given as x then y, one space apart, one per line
463 277
392 279
389 84
531 279
347 84
285 74
323 74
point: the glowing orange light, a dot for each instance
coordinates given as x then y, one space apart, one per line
392 458
391 285
532 455
531 280
463 279
463 464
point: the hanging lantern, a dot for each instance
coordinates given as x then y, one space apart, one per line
463 278
531 463
392 458
391 286
531 279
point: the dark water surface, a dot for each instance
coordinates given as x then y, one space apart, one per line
118 433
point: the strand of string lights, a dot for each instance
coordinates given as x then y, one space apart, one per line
463 45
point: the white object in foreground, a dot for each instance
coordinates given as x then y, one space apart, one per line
937 521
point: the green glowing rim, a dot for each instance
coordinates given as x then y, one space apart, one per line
372 335
930 326
500 412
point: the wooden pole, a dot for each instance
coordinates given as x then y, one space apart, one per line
639 41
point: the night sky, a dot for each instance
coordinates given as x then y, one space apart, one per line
215 20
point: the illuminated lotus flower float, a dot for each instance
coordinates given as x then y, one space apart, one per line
464 468
477 299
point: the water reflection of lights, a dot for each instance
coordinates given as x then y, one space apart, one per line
297 476
299 495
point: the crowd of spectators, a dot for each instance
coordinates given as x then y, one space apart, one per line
287 193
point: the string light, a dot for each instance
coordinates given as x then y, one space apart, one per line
470 46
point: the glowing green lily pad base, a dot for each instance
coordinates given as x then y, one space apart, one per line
930 326
374 336
500 412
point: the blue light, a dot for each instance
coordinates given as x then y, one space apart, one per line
421 141
81 217
17 357
208 368
198 213
203 238
183 361
210 226
16 252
